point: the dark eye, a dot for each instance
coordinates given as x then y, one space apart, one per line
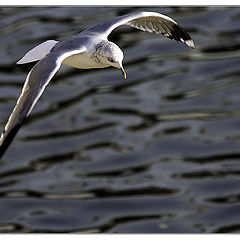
111 60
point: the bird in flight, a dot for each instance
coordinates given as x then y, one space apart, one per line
86 50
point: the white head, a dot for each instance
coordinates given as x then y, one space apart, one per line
110 55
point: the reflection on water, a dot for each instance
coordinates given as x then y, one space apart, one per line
157 153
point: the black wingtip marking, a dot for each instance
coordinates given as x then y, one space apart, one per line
178 33
9 138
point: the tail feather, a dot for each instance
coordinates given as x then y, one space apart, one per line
38 53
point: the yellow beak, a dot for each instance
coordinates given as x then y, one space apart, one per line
123 72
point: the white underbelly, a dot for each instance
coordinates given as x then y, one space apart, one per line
82 61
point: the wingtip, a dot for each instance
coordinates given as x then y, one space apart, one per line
7 138
190 43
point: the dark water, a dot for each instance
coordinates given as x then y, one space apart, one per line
157 153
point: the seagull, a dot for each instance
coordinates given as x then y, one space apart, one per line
86 50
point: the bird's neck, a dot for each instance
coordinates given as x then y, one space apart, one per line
98 54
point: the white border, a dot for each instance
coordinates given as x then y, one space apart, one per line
119 3
120 236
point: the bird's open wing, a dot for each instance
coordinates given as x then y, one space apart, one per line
145 21
35 83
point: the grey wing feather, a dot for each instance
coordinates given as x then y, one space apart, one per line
145 21
35 83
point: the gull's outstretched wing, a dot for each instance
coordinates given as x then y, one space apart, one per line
145 21
35 83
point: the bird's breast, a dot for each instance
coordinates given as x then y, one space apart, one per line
83 61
